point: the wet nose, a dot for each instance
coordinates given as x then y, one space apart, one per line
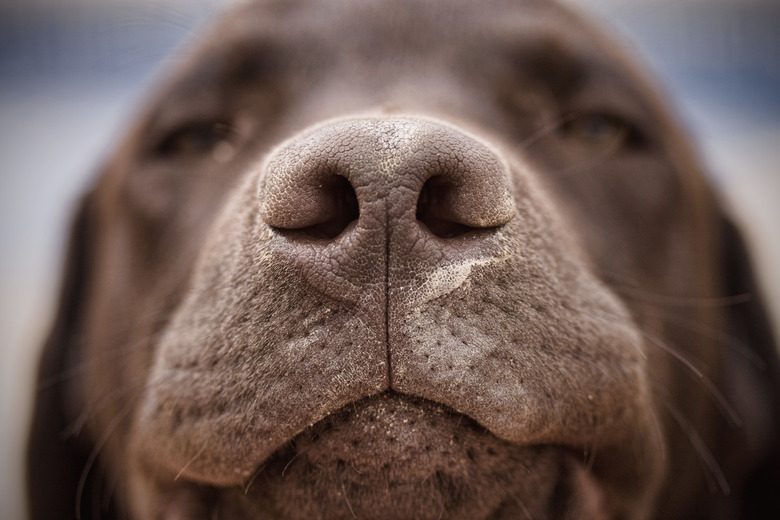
363 205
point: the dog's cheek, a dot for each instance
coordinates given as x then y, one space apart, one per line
250 353
139 270
117 343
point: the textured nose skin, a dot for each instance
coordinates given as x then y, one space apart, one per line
386 215
311 183
370 205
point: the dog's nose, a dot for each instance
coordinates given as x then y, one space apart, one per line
376 202
449 182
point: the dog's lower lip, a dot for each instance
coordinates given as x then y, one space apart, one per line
366 415
410 428
370 410
415 452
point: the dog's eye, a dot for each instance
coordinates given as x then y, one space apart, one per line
600 132
213 139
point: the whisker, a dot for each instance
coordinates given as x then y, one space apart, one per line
284 470
516 499
189 463
112 426
92 408
659 431
606 373
720 400
253 477
697 302
346 499
725 408
96 501
111 491
704 454
628 287
117 352
718 336
545 130
590 453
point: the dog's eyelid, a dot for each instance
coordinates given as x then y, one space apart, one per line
196 137
604 127
612 100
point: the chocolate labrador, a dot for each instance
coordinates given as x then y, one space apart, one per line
410 259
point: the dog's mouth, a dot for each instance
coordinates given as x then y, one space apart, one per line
393 456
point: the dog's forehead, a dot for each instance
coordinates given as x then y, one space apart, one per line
384 44
408 18
375 28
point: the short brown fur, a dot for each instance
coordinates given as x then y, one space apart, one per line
406 259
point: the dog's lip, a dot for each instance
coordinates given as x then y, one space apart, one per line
349 412
567 492
249 468
346 413
460 451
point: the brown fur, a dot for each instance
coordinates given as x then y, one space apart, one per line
405 259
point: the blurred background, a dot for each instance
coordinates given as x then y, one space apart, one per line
72 70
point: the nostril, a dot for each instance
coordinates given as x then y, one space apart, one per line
321 184
433 209
452 205
336 207
340 197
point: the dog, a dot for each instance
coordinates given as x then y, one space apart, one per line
409 259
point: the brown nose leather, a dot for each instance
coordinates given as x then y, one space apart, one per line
370 203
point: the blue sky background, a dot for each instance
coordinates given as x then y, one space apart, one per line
71 70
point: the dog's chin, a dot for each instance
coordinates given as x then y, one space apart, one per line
392 456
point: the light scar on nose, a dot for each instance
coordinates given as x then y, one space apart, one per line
447 278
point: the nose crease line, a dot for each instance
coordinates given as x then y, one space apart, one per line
387 301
